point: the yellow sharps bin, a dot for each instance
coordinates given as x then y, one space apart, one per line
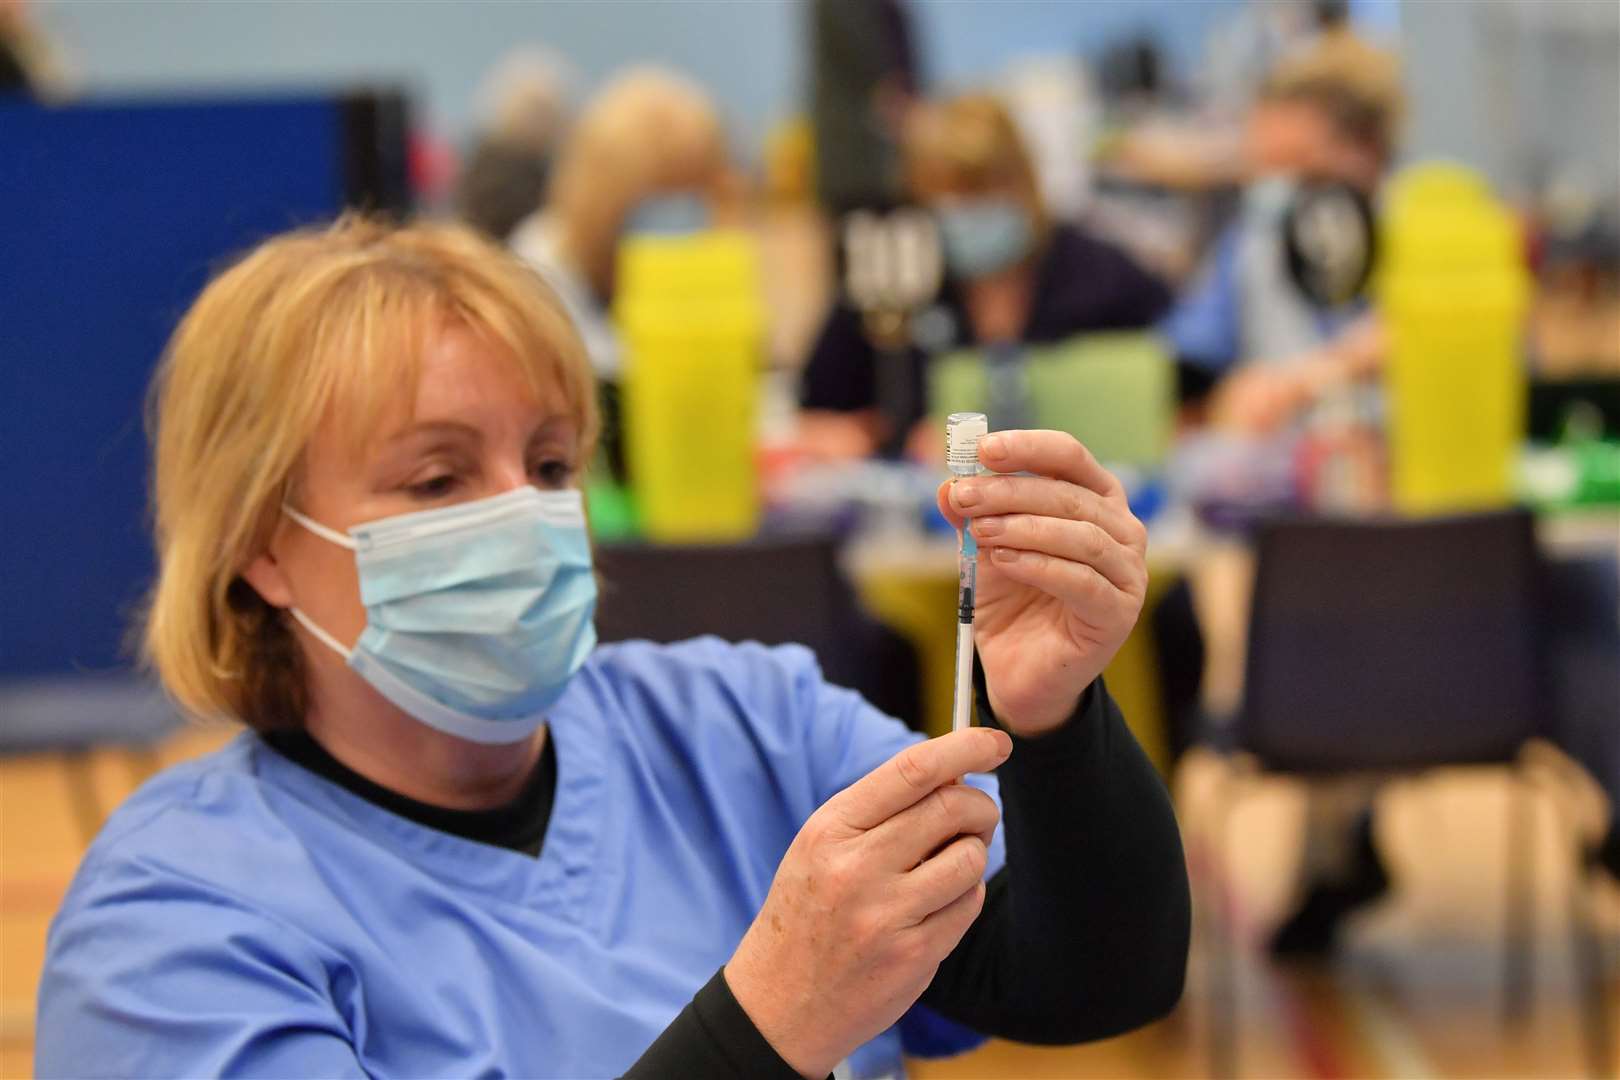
692 328
1453 290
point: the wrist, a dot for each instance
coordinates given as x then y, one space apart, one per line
1031 721
777 1021
1026 719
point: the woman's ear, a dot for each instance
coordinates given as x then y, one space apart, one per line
264 574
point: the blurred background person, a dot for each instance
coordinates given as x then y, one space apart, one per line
1329 114
29 63
649 154
1013 276
526 102
14 74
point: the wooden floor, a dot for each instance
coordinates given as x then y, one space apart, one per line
1417 992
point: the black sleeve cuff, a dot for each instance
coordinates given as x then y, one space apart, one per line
712 1037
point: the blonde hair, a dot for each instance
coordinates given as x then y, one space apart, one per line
314 324
648 130
971 144
1357 85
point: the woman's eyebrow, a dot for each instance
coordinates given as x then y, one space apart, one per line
558 424
412 435
440 428
409 444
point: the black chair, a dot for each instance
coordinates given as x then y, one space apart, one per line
772 590
1391 648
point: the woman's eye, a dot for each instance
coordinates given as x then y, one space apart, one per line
553 473
435 487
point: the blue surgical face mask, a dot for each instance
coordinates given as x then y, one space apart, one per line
985 235
675 213
477 615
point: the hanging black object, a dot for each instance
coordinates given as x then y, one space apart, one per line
1330 242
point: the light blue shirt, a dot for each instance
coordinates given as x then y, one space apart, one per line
240 915
1243 307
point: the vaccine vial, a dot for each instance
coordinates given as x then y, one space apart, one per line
963 431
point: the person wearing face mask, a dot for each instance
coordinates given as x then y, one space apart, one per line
461 838
648 153
1244 331
1013 276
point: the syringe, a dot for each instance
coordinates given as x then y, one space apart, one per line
962 434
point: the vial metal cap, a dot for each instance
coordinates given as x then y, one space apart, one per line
963 431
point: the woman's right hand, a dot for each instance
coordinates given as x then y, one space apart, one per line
875 891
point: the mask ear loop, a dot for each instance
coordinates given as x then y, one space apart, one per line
321 530
321 635
304 620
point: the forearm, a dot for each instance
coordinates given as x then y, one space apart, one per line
1085 932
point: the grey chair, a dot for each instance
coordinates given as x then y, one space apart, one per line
1389 648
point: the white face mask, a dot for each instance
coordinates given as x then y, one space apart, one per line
477 615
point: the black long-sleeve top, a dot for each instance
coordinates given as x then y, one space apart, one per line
1083 935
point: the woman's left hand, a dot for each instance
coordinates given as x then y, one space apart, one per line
1062 572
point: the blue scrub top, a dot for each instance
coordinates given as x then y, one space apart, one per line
240 915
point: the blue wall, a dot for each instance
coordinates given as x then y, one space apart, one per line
969 41
750 53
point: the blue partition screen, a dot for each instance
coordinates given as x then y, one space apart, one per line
112 217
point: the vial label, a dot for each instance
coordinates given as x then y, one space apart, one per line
962 434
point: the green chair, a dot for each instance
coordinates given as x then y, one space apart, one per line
1113 391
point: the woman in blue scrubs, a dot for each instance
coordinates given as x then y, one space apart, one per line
460 839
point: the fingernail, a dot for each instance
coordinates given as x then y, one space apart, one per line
1004 743
1005 555
965 493
986 527
993 447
